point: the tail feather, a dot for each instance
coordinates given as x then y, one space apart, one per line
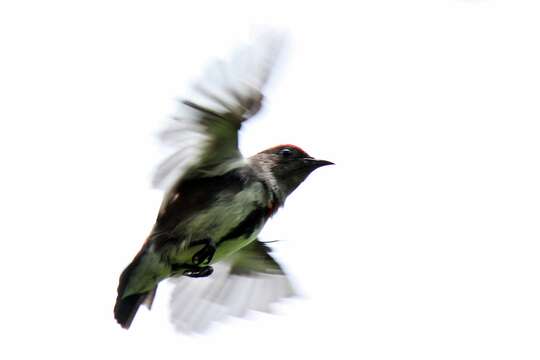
126 307
149 300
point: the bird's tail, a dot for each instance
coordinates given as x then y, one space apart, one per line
126 307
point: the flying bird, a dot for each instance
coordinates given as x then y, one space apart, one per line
216 202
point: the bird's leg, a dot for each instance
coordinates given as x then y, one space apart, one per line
196 271
191 270
206 253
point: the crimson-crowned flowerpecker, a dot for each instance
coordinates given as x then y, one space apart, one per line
216 202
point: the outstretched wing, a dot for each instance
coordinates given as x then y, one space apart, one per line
251 280
202 136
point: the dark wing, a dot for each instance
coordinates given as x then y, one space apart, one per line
251 280
202 136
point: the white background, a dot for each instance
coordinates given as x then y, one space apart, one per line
421 243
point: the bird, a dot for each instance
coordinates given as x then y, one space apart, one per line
206 234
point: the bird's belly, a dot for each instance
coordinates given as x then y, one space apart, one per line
230 246
224 249
218 222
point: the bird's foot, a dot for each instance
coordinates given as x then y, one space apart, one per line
205 254
196 272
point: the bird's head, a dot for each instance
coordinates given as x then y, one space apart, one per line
285 167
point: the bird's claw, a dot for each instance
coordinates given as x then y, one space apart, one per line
205 254
197 272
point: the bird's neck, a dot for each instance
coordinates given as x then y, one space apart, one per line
263 171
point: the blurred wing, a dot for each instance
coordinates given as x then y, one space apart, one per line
253 280
203 134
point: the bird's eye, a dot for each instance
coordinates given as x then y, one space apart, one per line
285 152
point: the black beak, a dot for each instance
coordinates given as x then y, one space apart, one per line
314 163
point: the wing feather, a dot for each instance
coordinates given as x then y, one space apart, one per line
251 280
203 133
